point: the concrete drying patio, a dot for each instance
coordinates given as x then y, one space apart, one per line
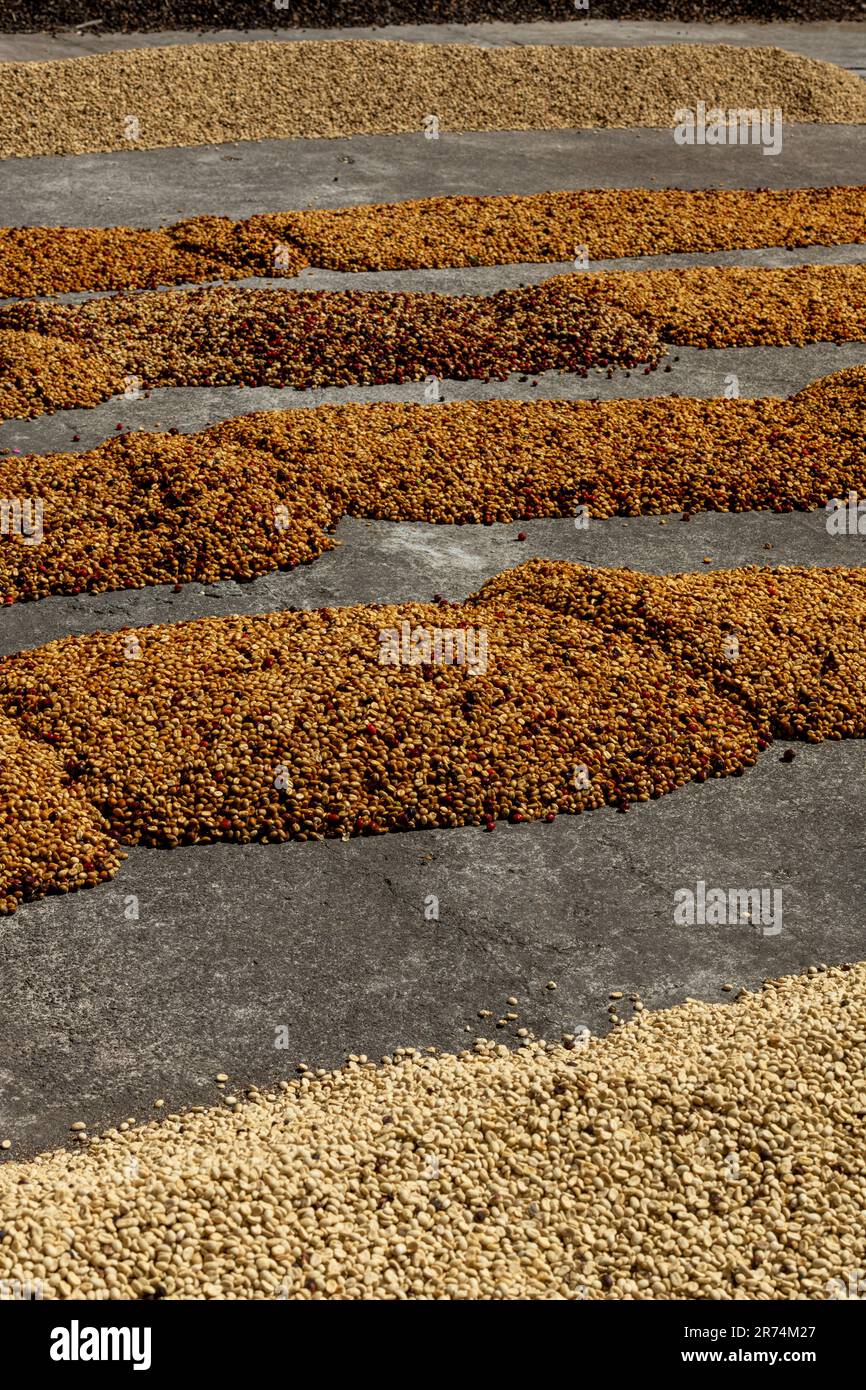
103 1010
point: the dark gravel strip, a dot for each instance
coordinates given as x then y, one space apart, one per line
125 15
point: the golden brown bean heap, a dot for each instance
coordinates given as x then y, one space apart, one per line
430 232
208 93
51 834
41 373
704 1152
263 491
337 722
741 306
51 260
225 336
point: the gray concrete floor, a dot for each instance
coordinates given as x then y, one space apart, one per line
103 1015
149 187
760 371
99 1014
385 562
